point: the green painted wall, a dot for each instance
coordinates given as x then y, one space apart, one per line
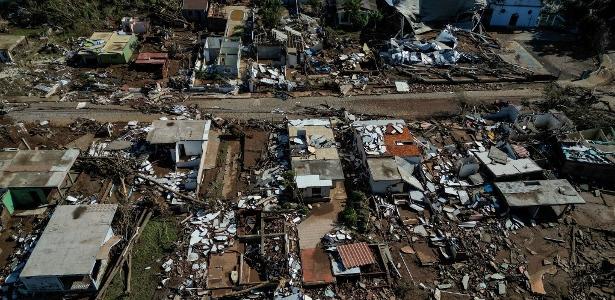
7 200
119 58
24 198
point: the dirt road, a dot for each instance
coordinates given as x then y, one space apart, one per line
408 106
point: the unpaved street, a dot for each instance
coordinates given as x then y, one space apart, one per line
408 106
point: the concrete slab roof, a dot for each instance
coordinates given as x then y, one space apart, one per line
311 131
383 169
71 241
8 42
35 168
512 167
539 193
327 169
172 131
305 181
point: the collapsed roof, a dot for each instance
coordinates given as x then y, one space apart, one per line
417 11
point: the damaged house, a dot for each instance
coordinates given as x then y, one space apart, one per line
185 141
315 160
8 43
107 48
500 164
279 47
221 55
156 63
29 178
389 152
537 195
590 153
514 13
72 254
418 13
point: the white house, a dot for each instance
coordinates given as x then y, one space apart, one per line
515 13
315 160
185 140
389 153
73 252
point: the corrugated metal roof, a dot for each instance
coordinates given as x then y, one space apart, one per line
356 255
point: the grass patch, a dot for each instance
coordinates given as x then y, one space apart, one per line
156 241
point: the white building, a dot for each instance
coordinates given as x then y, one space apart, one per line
515 13
389 153
73 252
185 140
315 160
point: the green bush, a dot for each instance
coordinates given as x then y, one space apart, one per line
348 217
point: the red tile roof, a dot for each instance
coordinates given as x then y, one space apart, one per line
356 255
400 144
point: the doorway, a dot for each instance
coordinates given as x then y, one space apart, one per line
513 20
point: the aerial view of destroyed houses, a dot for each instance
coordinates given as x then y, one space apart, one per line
307 149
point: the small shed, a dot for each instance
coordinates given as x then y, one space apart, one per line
153 62
31 176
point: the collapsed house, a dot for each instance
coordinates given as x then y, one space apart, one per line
8 43
279 47
153 62
221 55
556 195
29 178
389 153
73 252
314 159
514 13
418 13
360 259
590 154
501 165
185 142
439 52
107 48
